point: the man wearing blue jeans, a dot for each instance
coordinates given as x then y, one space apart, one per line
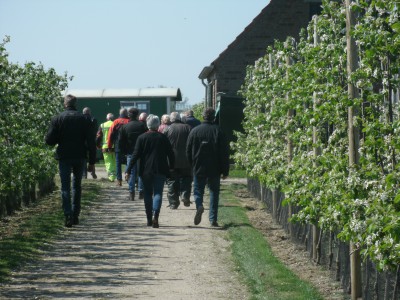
71 131
208 152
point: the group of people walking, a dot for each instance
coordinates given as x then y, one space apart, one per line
178 150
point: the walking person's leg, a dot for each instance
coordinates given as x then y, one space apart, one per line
186 186
214 187
131 181
173 190
118 162
65 177
158 187
77 169
199 184
148 198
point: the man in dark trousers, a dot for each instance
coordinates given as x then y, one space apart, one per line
87 113
113 141
208 152
180 182
156 160
72 132
127 141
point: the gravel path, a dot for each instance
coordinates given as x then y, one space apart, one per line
112 254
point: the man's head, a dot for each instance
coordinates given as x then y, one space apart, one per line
86 111
189 113
70 101
153 122
143 116
175 116
165 119
209 114
133 113
110 117
123 113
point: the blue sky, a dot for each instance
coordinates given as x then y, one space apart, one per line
125 43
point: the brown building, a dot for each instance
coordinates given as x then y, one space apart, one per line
224 77
278 20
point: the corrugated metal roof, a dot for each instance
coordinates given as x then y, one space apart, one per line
126 93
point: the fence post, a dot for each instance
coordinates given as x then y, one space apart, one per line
290 115
317 152
354 139
274 191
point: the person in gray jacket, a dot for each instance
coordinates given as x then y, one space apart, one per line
180 181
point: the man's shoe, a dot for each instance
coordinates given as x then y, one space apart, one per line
75 220
68 221
173 206
214 224
149 222
132 196
197 217
119 182
141 195
186 202
155 223
94 175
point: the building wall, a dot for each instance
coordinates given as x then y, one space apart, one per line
278 20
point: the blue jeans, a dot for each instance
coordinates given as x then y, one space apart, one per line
213 183
65 167
132 178
118 162
153 190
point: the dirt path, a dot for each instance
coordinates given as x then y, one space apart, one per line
112 254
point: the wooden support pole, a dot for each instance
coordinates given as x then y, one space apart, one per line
317 152
354 139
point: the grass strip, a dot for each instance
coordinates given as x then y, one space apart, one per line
265 276
35 228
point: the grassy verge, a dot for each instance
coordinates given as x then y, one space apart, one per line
264 274
29 232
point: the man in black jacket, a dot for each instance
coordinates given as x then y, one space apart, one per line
208 152
72 132
180 182
128 135
156 160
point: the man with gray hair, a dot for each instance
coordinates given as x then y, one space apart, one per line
156 160
71 131
102 143
113 141
180 181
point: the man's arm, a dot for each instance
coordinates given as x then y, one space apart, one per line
52 136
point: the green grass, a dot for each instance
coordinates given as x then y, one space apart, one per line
34 231
265 276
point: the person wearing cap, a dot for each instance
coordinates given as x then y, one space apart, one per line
128 136
180 181
156 161
72 132
208 153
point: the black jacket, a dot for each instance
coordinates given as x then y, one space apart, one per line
73 134
178 133
155 153
207 150
128 135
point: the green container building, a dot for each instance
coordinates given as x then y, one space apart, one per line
157 101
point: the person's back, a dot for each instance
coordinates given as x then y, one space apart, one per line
207 150
72 130
178 134
129 134
191 120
